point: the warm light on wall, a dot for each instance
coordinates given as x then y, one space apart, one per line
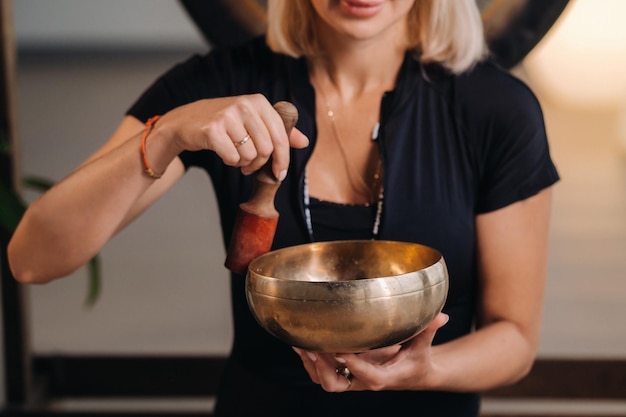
582 60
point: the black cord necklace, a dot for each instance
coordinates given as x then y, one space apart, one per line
379 200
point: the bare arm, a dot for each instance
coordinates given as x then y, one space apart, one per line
70 223
512 250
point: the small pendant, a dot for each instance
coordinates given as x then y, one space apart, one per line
375 131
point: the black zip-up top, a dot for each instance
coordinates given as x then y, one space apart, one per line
453 147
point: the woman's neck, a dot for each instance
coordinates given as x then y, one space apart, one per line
352 68
350 76
345 166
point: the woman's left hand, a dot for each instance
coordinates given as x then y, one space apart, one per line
400 367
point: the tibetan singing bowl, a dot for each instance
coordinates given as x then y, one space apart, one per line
347 296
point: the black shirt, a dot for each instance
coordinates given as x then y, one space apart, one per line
452 147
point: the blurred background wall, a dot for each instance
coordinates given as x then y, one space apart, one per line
113 24
81 63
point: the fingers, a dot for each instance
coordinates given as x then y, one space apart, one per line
326 371
407 366
255 124
308 360
298 139
280 161
255 118
244 131
278 145
425 338
380 356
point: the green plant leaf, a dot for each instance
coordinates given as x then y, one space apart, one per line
38 183
5 145
12 208
93 285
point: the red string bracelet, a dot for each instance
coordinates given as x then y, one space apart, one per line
151 121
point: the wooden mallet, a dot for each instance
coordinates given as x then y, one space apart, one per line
255 224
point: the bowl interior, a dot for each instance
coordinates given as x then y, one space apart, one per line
344 261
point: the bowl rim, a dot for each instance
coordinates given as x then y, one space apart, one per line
317 290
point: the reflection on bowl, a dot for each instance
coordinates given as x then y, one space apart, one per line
347 296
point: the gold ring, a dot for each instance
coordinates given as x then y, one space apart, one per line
345 372
242 141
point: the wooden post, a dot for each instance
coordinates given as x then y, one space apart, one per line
15 344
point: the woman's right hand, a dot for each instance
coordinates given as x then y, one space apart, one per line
245 131
111 188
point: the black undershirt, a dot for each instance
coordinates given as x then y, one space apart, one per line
336 221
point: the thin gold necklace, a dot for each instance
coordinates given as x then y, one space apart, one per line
378 185
357 182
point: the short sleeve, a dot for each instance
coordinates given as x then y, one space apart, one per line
508 130
183 83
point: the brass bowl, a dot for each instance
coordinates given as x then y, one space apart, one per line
347 296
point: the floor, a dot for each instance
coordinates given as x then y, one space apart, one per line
164 286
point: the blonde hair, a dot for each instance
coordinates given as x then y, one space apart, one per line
448 32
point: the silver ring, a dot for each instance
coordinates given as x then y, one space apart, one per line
242 141
345 372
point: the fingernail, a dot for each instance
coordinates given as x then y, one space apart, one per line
312 356
340 359
295 349
282 175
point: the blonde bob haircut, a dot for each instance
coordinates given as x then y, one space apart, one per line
448 32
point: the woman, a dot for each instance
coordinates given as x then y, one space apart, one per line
414 136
